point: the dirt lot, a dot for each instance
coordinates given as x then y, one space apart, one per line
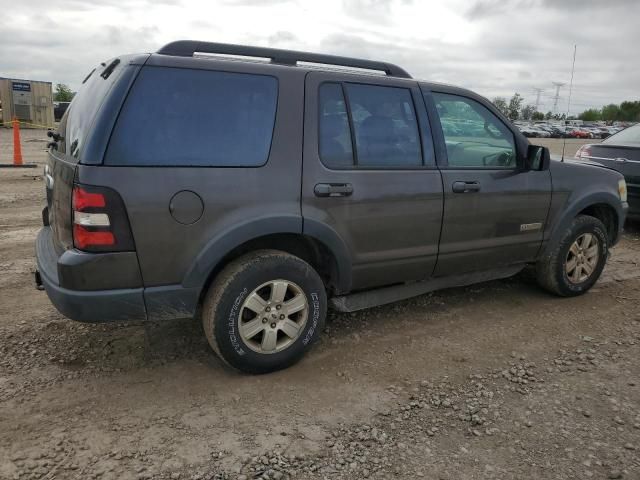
494 381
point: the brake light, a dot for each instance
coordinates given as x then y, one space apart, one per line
584 151
83 199
83 238
91 223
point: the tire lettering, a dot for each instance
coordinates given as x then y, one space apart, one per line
231 322
315 302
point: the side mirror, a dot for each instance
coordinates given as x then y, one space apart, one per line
538 158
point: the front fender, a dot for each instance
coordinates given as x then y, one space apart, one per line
574 206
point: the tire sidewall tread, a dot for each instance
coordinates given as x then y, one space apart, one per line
229 290
550 271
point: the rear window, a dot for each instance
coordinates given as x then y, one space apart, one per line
78 118
185 117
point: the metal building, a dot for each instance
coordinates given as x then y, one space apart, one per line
30 101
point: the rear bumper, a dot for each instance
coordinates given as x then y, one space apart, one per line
66 279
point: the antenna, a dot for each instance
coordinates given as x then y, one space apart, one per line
557 95
573 68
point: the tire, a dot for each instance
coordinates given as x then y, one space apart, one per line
255 282
551 271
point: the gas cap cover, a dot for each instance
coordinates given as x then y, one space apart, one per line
186 207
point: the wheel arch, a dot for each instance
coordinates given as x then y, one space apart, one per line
602 205
326 253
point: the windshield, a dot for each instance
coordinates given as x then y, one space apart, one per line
628 135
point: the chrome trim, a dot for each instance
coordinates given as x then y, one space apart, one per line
617 160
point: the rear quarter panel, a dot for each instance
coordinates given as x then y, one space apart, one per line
235 199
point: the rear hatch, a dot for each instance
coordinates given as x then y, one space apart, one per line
81 136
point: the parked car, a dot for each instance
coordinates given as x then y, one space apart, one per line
255 194
529 132
579 133
620 152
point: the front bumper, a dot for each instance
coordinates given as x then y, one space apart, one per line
633 197
66 279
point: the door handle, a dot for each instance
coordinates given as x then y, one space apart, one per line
466 187
333 189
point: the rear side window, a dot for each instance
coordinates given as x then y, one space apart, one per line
184 117
381 121
336 150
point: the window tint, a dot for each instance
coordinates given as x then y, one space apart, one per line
179 117
385 126
80 114
334 143
474 136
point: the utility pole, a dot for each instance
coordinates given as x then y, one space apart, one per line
557 95
538 92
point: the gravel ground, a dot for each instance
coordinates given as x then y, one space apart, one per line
495 381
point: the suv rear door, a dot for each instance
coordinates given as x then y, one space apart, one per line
369 175
494 212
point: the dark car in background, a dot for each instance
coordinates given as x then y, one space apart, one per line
58 110
622 153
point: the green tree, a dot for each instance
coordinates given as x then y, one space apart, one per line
63 93
630 111
548 115
590 115
537 116
610 112
513 110
527 112
501 104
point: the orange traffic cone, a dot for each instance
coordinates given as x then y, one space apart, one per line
17 149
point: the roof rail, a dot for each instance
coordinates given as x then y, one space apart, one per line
186 48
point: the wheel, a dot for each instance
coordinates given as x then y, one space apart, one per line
578 260
264 310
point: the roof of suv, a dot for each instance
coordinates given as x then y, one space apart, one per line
188 48
305 60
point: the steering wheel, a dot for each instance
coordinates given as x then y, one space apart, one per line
498 159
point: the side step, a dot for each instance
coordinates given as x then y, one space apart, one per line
395 293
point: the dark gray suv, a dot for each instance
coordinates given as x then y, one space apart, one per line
254 187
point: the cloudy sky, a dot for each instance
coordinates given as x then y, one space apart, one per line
495 47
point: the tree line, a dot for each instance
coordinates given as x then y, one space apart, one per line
514 109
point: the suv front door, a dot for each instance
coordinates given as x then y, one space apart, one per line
369 176
494 212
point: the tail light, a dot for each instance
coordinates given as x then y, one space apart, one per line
100 222
584 151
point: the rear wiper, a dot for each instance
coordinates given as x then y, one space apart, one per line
110 68
87 77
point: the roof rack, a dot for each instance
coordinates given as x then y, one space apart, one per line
186 48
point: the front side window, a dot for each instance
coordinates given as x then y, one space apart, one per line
474 136
185 117
381 121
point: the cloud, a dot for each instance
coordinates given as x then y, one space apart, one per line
494 47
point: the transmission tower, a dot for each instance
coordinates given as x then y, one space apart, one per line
557 95
538 92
